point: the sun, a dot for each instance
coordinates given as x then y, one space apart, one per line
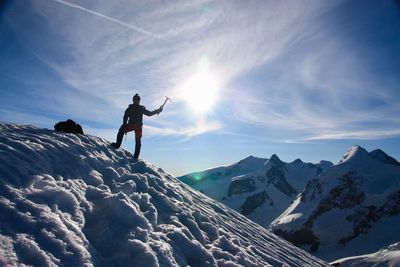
200 92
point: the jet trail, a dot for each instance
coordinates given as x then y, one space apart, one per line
132 27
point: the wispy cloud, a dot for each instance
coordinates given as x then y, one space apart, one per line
323 90
359 135
312 82
235 37
184 132
308 122
112 63
16 116
114 20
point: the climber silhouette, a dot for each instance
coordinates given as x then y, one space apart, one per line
133 121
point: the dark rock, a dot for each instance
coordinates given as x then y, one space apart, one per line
345 195
276 177
300 238
276 161
312 190
365 216
362 221
392 206
297 161
240 186
254 201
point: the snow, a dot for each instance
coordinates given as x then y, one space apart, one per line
71 200
324 164
328 231
383 157
389 256
293 176
355 153
293 217
384 232
353 208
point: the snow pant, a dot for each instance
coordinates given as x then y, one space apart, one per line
125 128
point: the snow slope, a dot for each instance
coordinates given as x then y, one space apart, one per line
70 200
353 208
261 189
389 256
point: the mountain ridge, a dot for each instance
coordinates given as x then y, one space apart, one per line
352 208
254 186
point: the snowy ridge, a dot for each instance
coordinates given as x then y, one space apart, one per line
261 189
70 200
389 256
352 208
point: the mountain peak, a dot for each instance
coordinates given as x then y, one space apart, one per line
297 161
275 160
325 164
251 161
275 157
383 157
356 152
251 157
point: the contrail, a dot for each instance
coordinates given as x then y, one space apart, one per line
132 27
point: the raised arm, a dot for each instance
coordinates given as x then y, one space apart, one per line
151 113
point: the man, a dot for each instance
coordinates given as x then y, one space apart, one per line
133 121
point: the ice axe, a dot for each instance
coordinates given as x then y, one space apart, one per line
166 99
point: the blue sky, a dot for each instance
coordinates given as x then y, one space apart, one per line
302 79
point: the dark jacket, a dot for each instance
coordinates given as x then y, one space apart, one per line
134 114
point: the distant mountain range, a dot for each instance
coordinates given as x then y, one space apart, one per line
259 188
334 211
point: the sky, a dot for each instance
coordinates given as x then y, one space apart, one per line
298 78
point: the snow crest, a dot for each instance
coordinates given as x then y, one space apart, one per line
71 200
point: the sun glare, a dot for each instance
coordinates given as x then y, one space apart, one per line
200 92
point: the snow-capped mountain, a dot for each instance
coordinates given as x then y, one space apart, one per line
261 189
71 200
352 208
